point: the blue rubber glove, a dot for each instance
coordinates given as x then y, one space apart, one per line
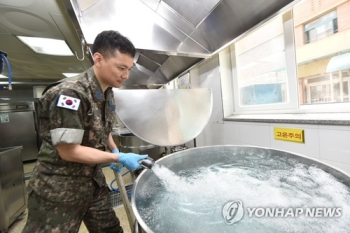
131 160
113 166
115 151
116 168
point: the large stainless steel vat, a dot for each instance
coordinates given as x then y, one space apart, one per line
244 157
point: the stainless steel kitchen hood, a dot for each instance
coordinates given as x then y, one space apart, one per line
170 35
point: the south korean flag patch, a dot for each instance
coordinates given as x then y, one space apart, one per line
68 102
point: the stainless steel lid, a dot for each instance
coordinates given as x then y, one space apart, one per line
164 117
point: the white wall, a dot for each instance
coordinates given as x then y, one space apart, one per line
325 143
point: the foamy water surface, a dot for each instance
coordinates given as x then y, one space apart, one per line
192 200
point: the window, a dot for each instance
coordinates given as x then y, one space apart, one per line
333 87
322 27
261 67
297 61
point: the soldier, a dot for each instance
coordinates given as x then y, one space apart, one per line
76 119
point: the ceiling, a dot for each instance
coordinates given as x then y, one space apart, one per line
171 36
37 18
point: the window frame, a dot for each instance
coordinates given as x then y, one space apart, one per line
292 91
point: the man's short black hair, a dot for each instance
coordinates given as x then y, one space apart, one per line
107 42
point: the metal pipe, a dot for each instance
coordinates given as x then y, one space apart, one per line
3 56
125 199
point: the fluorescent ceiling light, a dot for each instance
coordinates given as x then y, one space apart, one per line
47 46
68 75
3 76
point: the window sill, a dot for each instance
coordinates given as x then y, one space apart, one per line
301 118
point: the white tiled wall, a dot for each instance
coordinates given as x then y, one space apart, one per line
334 144
328 144
230 131
311 146
254 134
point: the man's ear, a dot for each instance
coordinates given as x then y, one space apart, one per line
97 59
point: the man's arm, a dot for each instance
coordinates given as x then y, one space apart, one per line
84 154
110 143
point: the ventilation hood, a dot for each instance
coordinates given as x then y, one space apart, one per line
170 36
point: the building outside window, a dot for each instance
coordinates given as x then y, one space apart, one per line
322 32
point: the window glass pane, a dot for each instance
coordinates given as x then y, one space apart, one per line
311 35
260 61
322 53
321 20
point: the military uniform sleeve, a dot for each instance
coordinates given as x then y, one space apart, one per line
112 116
65 109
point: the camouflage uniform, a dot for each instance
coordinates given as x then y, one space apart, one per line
62 194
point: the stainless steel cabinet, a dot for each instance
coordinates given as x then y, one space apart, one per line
12 186
18 127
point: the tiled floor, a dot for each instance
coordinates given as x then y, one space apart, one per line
18 225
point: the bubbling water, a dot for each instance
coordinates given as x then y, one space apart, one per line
192 200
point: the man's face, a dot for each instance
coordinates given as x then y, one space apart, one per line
116 69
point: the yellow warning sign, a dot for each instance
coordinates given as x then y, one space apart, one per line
288 134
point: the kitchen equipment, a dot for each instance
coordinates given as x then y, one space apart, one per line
173 35
129 143
3 60
12 186
164 117
18 127
147 163
293 179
